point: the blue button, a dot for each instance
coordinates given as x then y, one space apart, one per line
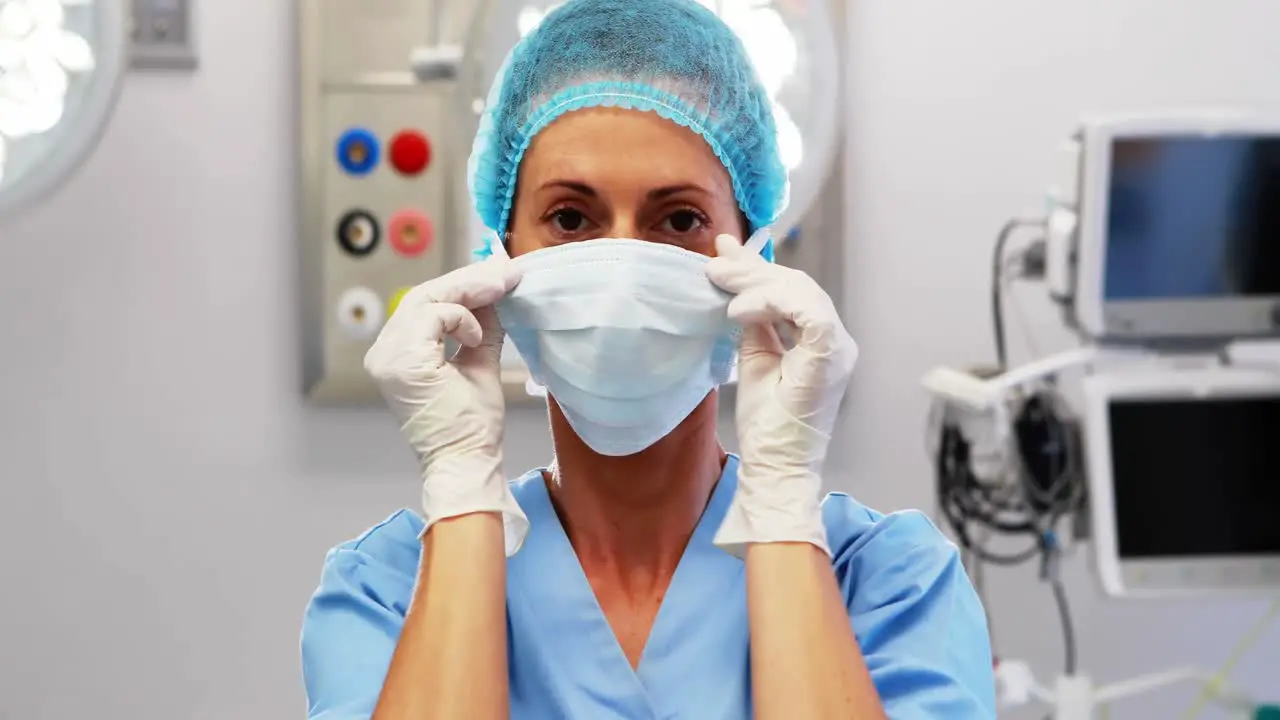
358 151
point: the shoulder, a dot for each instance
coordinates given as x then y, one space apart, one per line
920 623
392 546
392 543
377 567
881 558
853 529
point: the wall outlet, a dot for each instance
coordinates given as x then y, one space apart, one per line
163 35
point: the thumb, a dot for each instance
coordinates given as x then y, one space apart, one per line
730 247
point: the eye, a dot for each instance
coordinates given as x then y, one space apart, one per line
684 221
568 220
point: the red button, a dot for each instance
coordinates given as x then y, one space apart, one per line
410 153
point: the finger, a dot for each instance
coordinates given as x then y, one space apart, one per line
413 339
753 312
728 246
489 324
761 306
474 286
737 268
443 320
811 315
736 276
509 272
489 350
759 340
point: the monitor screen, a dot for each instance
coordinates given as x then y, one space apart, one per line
1193 217
1196 477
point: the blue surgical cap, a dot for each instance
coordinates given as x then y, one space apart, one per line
674 58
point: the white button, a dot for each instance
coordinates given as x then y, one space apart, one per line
360 313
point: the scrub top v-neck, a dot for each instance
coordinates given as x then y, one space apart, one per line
918 621
694 664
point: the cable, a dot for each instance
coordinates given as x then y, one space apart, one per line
1068 629
1019 314
1052 572
997 268
1246 643
1037 478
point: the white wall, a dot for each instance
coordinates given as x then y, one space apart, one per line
166 497
955 109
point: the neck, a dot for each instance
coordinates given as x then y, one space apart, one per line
634 515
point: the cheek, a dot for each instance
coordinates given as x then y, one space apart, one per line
521 242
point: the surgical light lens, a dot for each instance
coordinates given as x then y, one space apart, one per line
15 20
72 52
38 56
46 14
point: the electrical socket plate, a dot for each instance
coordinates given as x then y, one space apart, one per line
162 35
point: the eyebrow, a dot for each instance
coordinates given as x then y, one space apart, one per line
656 194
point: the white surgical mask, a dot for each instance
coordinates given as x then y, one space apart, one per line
627 336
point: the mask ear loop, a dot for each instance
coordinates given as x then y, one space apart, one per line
498 248
755 244
758 240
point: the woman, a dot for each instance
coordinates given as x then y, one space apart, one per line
625 147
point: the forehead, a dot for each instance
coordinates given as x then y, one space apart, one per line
622 147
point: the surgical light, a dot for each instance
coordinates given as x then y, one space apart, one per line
61 63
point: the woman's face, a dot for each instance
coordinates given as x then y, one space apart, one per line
612 173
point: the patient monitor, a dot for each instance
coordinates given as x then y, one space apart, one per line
1184 478
1179 228
1177 250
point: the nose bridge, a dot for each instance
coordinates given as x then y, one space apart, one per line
624 223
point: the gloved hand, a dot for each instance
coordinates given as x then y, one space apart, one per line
787 398
451 411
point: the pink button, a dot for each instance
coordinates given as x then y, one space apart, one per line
410 232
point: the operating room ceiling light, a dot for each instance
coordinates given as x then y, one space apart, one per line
790 44
60 68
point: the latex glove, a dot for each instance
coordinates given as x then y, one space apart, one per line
788 398
451 411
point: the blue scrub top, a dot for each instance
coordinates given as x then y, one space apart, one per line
917 618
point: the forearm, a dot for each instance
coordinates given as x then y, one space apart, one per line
805 660
451 660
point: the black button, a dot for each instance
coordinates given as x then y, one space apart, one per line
359 233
